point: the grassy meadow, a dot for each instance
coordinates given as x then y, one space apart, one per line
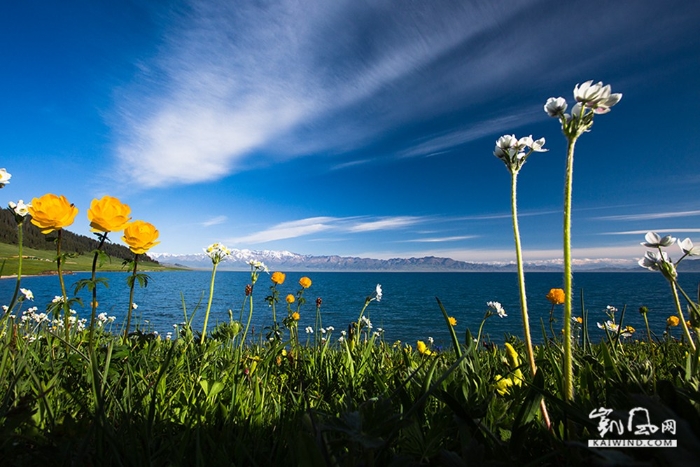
37 262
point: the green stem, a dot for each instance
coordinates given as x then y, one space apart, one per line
521 285
250 316
568 357
680 315
131 298
211 297
19 266
59 267
103 237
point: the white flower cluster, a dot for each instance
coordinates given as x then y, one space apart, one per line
497 309
659 260
514 152
217 252
4 177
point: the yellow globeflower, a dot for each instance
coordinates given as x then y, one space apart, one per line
513 357
140 236
305 282
277 278
290 298
673 321
422 348
296 316
502 385
52 212
452 320
556 296
108 214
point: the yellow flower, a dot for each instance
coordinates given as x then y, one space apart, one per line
296 316
513 357
502 385
140 236
672 321
689 324
277 278
305 282
52 212
452 320
108 214
579 320
422 348
290 298
556 296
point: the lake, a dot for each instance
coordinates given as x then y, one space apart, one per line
408 310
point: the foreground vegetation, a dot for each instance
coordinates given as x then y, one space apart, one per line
152 401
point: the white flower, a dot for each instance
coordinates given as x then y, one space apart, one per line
596 96
653 260
611 309
5 308
430 340
134 306
527 142
654 240
217 252
378 292
341 339
497 308
169 335
309 330
343 332
258 265
367 322
57 299
555 106
27 294
102 317
688 249
4 177
330 328
609 325
20 209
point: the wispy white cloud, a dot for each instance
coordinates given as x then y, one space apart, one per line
314 225
233 80
388 223
643 232
442 239
214 221
650 216
285 230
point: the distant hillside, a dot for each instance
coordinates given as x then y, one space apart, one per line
70 243
287 261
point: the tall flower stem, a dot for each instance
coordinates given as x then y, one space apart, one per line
568 275
211 296
19 266
59 268
521 286
250 316
677 301
521 273
131 298
103 237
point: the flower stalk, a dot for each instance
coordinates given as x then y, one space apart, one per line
591 99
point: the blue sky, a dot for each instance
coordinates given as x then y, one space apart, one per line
353 127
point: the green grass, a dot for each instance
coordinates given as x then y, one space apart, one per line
43 262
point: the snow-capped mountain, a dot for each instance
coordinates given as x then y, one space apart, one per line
288 261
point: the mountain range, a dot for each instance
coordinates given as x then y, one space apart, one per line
288 261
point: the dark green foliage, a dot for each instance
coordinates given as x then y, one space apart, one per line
70 243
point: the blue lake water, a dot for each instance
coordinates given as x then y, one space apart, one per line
408 310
